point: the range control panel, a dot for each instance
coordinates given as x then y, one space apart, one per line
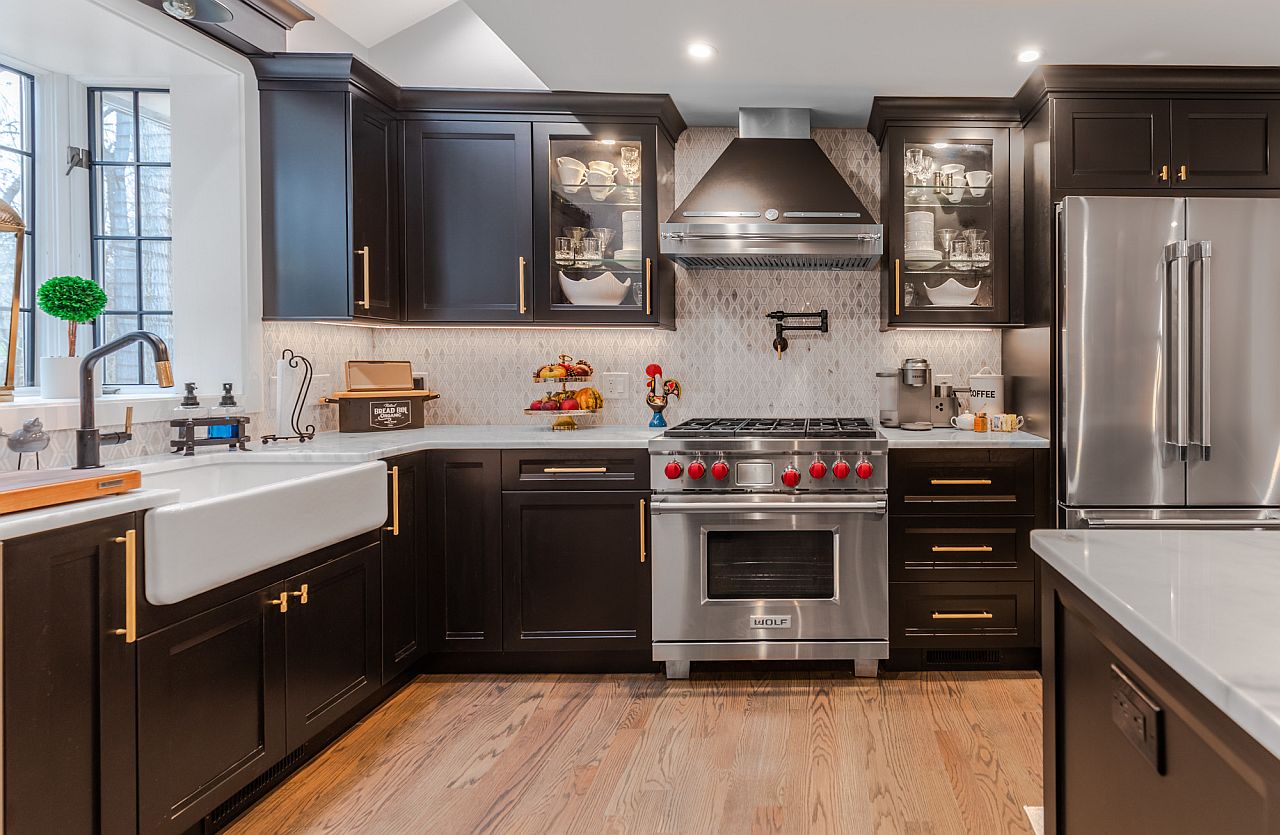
833 471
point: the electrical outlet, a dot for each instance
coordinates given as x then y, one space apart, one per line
616 383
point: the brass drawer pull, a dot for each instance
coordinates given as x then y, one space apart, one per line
1164 173
961 549
364 251
1182 173
302 595
648 281
130 542
394 527
642 520
522 305
897 286
955 481
962 616
282 601
575 470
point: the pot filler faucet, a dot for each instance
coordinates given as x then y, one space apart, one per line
89 441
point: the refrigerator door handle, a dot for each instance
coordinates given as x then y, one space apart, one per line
1202 254
1184 524
1175 257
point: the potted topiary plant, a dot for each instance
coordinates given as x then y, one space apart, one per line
74 300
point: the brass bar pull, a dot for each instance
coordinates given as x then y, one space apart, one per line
522 304
962 549
954 481
130 542
897 286
642 521
596 470
1182 173
302 595
364 252
394 527
1164 173
962 616
128 420
648 281
282 601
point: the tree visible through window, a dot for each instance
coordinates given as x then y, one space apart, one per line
131 222
17 188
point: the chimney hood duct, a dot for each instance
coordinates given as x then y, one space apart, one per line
773 201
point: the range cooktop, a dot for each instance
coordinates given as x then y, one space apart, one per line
773 428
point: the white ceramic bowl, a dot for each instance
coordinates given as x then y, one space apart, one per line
604 289
952 293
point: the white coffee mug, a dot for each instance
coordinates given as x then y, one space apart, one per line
978 182
963 421
603 165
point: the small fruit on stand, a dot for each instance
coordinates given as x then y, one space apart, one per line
536 406
564 371
552 372
569 405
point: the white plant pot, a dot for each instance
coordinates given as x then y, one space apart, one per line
60 378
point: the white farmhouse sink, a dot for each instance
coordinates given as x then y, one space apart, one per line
234 518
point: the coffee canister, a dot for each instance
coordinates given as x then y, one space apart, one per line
986 392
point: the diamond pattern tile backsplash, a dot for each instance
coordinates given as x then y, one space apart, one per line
720 351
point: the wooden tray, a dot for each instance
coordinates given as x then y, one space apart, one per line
30 489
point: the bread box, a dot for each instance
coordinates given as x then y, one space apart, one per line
380 397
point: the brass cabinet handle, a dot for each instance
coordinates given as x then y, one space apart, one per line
302 595
1182 173
364 251
394 527
642 520
1164 173
962 616
952 481
282 601
522 305
648 281
130 542
597 470
897 286
961 549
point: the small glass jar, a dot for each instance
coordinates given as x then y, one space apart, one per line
980 422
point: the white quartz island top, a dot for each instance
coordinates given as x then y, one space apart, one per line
1203 601
960 439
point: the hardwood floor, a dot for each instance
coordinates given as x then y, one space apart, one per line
724 753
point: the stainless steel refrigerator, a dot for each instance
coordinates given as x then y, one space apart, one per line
1169 362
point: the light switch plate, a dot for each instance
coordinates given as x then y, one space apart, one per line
616 383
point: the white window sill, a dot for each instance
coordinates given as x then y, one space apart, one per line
149 404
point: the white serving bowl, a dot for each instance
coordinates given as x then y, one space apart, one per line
952 293
604 289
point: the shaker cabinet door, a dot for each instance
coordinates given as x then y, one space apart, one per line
375 214
404 565
1112 143
1226 144
468 221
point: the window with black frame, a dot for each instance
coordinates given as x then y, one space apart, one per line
17 188
131 222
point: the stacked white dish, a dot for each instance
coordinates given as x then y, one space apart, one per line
632 236
918 248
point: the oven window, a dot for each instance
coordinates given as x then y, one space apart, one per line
771 565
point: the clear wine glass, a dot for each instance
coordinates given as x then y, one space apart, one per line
912 166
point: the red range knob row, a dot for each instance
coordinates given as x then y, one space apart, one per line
864 469
720 470
841 469
817 469
791 477
673 469
697 470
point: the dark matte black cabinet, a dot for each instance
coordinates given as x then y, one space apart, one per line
1228 143
576 571
468 221
375 209
464 546
404 565
69 685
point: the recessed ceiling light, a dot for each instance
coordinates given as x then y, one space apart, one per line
701 50
1026 56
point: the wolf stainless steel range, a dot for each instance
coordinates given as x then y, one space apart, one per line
770 541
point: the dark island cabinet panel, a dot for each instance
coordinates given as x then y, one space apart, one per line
211 709
1226 144
577 577
375 211
332 641
1111 143
468 221
404 565
69 685
464 546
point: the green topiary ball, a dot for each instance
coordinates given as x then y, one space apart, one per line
71 298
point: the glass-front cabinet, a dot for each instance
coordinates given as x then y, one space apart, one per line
947 225
597 190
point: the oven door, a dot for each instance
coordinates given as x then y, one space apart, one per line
770 568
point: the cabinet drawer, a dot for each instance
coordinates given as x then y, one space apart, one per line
962 614
979 481
945 548
587 469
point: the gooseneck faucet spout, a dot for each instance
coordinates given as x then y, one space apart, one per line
89 440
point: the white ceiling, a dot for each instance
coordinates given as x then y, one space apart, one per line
371 21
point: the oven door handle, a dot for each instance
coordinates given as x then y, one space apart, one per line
659 506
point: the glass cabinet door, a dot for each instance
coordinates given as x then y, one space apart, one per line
949 229
598 224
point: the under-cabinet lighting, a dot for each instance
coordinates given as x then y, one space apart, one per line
701 50
608 142
1028 55
939 145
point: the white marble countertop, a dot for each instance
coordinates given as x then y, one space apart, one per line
27 522
960 439
1203 601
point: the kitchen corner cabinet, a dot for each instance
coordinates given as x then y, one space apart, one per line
947 197
405 587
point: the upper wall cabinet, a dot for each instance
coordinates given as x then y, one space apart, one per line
461 206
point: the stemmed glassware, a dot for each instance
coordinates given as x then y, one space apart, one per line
945 237
630 168
919 165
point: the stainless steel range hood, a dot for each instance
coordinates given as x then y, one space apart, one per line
773 201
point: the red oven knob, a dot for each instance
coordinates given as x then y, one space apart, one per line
697 470
791 477
864 469
840 469
720 470
817 469
673 470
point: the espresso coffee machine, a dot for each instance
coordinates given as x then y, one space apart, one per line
915 395
946 405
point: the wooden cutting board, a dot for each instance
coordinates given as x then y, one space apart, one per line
29 489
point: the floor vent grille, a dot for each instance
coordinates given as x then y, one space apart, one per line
962 656
241 800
